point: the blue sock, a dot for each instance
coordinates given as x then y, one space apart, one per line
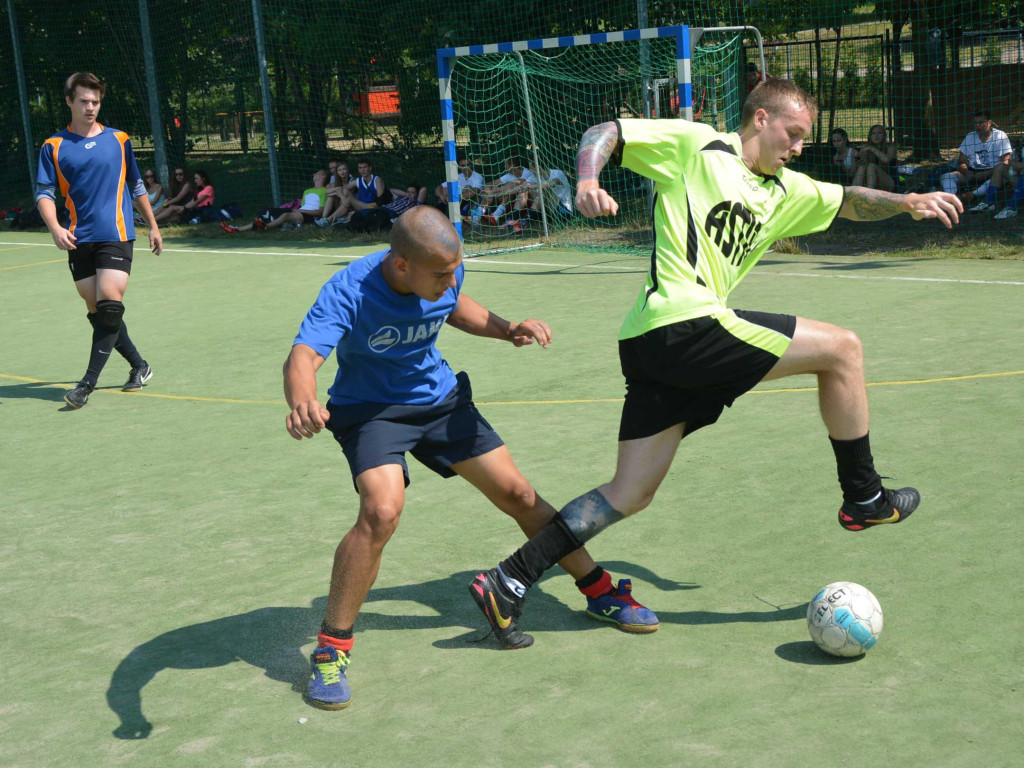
1018 194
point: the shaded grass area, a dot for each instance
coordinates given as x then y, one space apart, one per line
976 237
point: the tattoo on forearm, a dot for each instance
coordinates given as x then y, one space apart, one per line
589 514
597 145
874 204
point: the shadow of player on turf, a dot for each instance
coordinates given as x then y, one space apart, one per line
35 390
273 638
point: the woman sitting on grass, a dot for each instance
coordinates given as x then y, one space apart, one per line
876 162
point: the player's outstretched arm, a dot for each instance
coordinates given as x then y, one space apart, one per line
863 204
308 416
472 317
596 147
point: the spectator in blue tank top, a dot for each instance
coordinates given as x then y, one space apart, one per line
365 191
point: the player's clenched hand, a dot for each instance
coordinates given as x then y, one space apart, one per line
936 205
64 239
528 331
593 201
306 419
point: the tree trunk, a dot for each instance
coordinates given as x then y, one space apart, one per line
817 64
243 119
925 139
835 81
280 101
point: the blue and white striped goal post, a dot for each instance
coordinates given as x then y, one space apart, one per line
446 57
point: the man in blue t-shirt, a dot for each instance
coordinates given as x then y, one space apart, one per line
394 393
94 168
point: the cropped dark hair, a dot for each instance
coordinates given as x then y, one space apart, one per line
84 80
775 95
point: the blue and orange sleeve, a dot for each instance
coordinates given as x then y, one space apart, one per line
46 172
133 176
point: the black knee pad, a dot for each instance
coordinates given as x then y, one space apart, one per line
109 314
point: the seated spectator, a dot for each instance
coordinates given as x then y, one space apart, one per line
844 159
504 191
155 193
340 179
984 156
367 190
154 189
382 217
413 191
311 209
182 192
752 76
471 185
876 162
553 186
190 211
203 199
1016 171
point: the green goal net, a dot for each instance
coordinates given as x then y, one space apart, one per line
528 109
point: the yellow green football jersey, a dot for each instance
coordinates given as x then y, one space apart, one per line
713 217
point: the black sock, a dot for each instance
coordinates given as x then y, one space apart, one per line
576 523
127 348
857 475
551 544
341 634
103 342
591 578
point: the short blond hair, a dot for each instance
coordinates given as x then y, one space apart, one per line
774 96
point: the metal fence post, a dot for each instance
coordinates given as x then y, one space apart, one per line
156 123
268 109
19 70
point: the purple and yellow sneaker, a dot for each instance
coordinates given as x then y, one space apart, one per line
328 687
620 608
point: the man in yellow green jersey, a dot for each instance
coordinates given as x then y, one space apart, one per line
721 200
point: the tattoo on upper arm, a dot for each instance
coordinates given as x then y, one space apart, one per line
597 145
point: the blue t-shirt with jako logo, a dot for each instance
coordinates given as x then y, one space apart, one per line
385 342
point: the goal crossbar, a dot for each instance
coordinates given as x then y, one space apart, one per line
446 57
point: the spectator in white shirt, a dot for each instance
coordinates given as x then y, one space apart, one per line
983 162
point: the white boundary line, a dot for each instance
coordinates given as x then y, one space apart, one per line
764 273
475 260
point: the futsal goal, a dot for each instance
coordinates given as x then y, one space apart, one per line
527 103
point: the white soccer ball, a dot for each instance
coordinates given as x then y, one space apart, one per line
844 619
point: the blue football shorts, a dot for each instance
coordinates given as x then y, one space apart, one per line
438 436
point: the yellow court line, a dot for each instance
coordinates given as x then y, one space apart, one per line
936 380
18 246
195 398
33 264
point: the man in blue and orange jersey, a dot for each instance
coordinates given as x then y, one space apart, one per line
94 168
